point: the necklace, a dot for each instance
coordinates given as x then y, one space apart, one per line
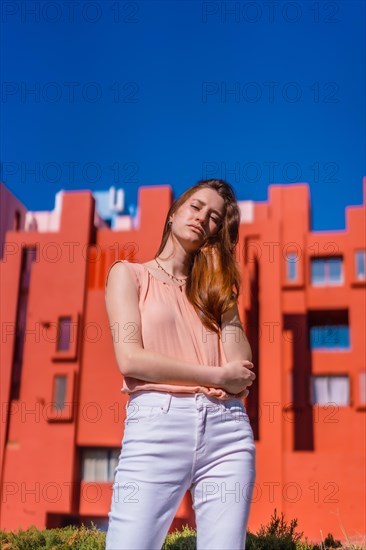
171 276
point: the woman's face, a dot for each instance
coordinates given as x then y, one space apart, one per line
198 217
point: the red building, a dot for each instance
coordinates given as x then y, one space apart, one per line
302 307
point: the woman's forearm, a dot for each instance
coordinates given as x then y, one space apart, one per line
151 366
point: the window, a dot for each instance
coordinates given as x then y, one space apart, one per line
59 392
64 334
29 255
99 464
67 336
62 390
291 264
329 337
329 389
360 265
329 329
326 271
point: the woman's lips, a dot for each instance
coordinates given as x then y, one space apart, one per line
196 229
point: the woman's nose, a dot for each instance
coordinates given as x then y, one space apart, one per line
200 217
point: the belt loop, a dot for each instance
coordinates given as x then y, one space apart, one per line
167 401
199 401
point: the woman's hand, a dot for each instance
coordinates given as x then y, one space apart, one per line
237 376
243 394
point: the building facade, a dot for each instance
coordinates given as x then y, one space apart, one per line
302 307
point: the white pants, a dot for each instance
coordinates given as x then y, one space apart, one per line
176 442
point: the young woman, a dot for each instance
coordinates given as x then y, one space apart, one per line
181 348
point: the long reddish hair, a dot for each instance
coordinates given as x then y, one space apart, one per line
214 278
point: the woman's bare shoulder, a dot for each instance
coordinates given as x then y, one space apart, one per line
119 267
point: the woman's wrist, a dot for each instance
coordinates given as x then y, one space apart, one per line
217 379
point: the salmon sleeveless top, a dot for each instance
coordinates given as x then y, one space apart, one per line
171 326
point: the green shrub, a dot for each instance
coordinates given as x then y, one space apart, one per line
329 542
181 540
276 535
66 538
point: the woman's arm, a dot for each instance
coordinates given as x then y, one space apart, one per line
234 340
132 359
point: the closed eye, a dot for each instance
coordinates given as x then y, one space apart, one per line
216 220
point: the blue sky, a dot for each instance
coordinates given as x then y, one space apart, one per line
170 92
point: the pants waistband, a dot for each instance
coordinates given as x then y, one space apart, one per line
179 400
